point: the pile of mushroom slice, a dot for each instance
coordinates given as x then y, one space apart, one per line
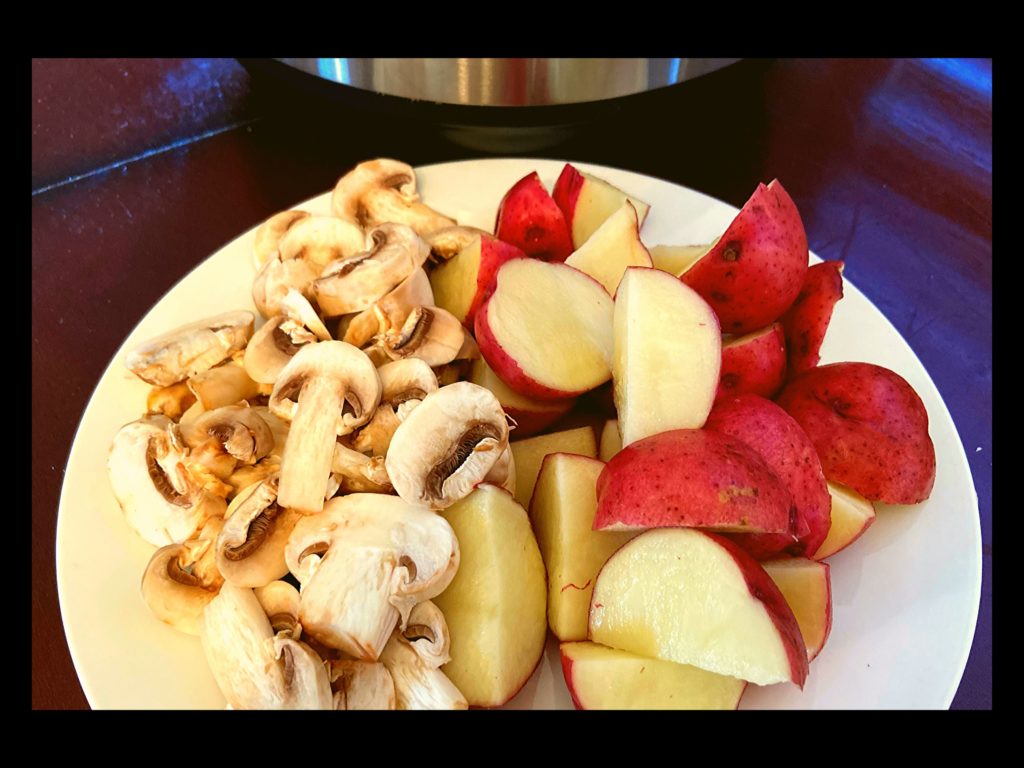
290 472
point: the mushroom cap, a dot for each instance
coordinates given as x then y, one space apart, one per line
414 658
276 277
393 253
432 334
180 580
240 430
320 240
346 366
390 311
365 685
190 349
364 562
159 498
447 445
384 190
250 547
446 243
280 602
270 233
253 668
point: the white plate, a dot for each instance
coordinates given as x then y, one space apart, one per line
905 595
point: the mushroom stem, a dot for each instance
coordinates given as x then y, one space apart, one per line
309 450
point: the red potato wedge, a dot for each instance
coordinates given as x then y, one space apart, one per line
869 427
692 597
461 283
754 273
694 478
496 606
851 515
676 259
790 454
587 201
599 677
753 364
529 455
613 247
806 322
562 515
546 329
807 587
530 220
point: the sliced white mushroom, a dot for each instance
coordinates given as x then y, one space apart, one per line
276 278
190 349
326 390
414 657
182 579
270 233
393 253
459 369
246 475
280 602
384 190
432 334
171 401
161 501
390 311
447 445
320 240
239 430
250 548
224 385
446 243
253 667
404 384
278 427
365 685
364 563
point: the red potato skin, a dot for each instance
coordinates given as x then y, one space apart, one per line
693 478
756 269
869 427
506 366
567 673
529 219
790 454
806 322
497 253
754 366
567 190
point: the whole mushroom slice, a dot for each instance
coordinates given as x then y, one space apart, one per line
161 501
384 190
390 311
432 334
253 667
276 278
364 563
190 349
393 253
270 232
319 240
414 658
447 445
365 685
326 390
250 547
280 602
182 579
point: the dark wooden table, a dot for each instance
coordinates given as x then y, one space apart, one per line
142 168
